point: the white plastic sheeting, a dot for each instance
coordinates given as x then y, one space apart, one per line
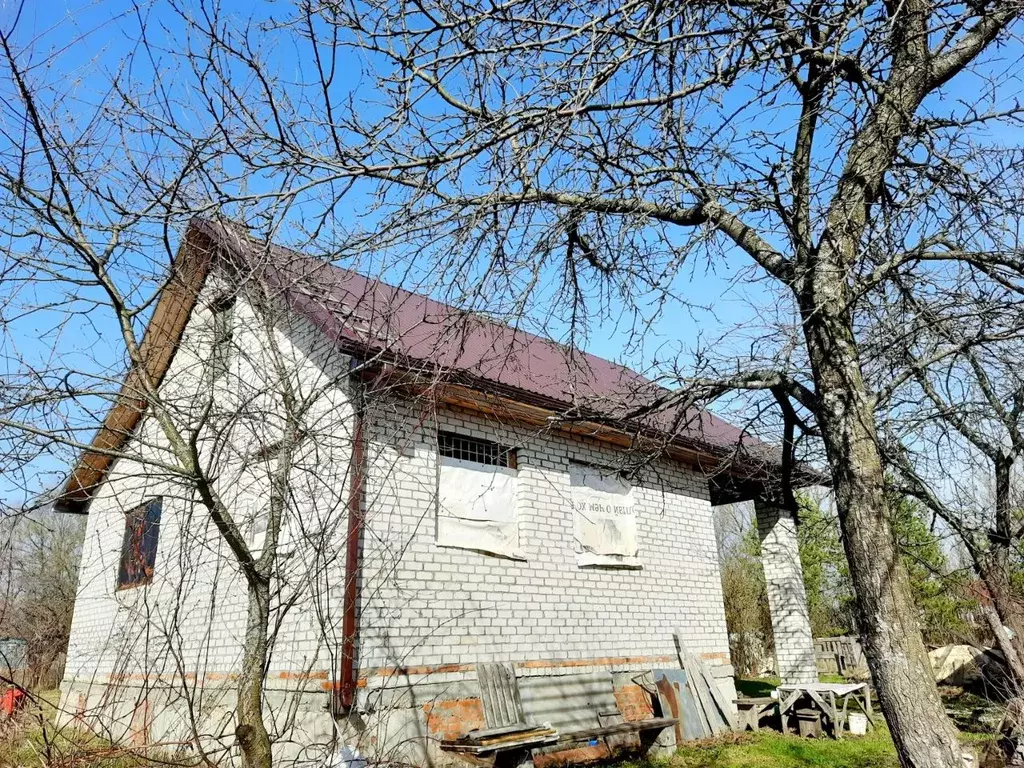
477 507
604 517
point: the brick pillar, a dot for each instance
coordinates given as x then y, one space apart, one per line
780 557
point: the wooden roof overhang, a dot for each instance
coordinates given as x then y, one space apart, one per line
160 341
732 475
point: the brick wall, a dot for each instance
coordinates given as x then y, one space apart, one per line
426 607
427 613
784 582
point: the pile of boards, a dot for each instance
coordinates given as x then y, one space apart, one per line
691 695
520 736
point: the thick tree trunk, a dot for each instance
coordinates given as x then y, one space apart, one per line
250 729
909 699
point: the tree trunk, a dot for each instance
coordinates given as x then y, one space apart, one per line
1004 612
1005 645
250 730
995 568
909 699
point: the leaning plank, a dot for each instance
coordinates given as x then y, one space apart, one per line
718 696
698 667
699 688
705 722
718 723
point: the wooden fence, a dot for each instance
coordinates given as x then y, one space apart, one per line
44 678
840 656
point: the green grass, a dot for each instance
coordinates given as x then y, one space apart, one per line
768 749
773 749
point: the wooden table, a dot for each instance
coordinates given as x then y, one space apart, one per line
833 699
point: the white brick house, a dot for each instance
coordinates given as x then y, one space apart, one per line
439 516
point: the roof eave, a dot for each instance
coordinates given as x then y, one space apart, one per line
188 274
755 475
189 271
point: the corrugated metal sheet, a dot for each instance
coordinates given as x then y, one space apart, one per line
352 308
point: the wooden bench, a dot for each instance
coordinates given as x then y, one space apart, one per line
827 698
510 739
751 709
492 741
648 730
513 745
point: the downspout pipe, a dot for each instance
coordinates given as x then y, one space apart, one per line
346 690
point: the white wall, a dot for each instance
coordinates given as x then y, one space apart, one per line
426 606
427 614
180 638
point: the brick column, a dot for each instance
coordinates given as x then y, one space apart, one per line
780 557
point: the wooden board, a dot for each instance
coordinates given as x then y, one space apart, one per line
716 693
716 722
515 739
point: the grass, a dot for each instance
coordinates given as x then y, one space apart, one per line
32 740
768 749
773 749
977 718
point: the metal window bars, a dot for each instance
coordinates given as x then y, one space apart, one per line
474 449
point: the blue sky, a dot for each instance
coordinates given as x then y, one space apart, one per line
83 44
87 42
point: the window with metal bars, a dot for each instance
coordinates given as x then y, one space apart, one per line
138 548
455 446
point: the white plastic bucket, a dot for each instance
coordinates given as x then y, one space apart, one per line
858 723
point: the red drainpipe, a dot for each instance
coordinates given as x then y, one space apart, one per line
346 691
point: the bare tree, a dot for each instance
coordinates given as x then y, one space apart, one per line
244 433
41 578
81 221
555 160
956 436
611 144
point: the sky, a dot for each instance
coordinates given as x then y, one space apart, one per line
84 42
81 44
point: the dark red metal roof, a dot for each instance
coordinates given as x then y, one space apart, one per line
373 318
